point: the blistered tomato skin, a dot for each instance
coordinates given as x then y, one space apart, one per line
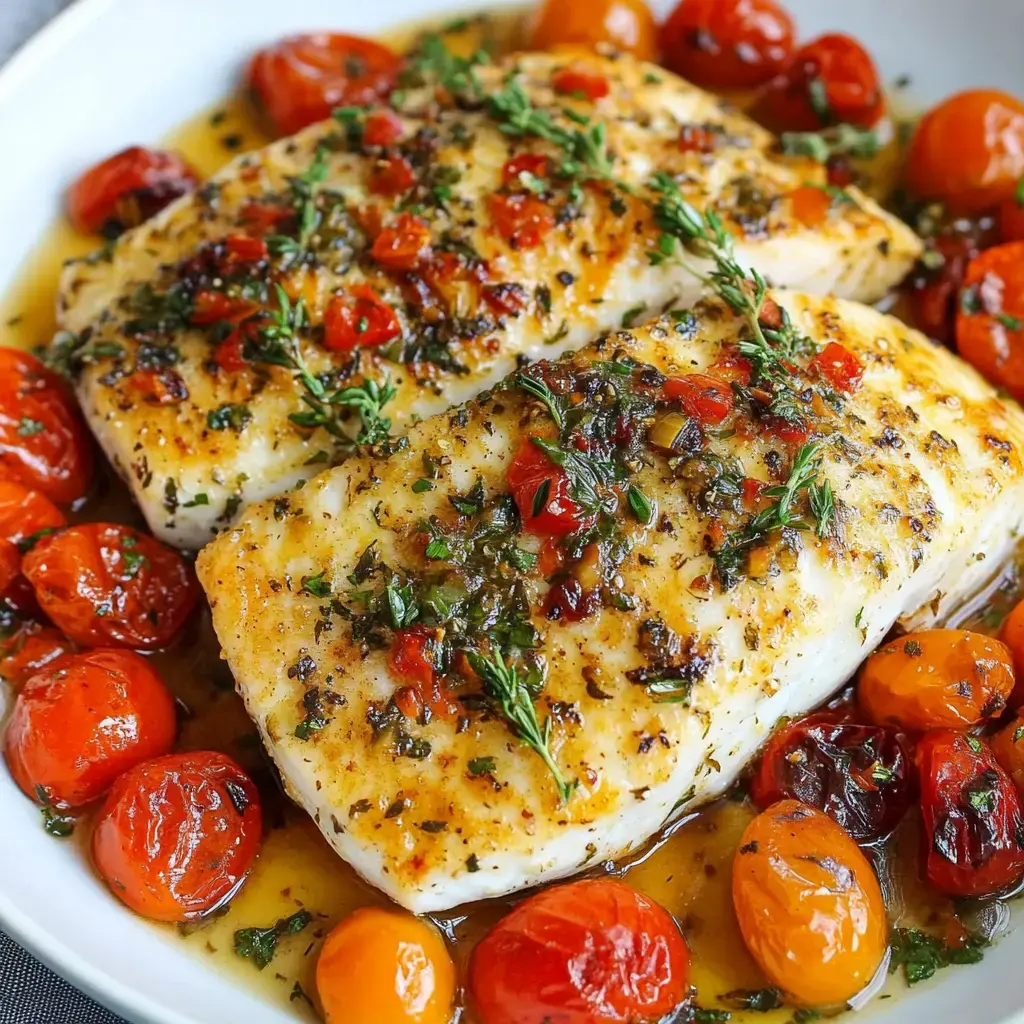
82 721
625 24
936 678
43 442
29 650
177 836
859 774
968 152
102 583
126 189
385 967
809 905
1008 748
973 827
300 80
727 44
591 952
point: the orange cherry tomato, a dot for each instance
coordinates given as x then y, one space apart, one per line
935 679
385 967
973 835
968 151
839 367
591 952
359 319
84 720
625 24
177 836
831 80
26 514
1012 634
107 584
990 319
705 398
126 189
29 650
811 206
1008 748
727 44
43 442
404 245
580 83
301 79
809 905
392 176
541 493
522 220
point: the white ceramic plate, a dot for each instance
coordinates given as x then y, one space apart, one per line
113 72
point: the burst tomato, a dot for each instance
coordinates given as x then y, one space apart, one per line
404 245
625 24
973 838
1011 216
43 442
82 721
707 399
385 967
522 220
808 905
392 176
1012 634
29 650
936 678
591 952
303 78
990 321
541 492
26 515
831 80
968 151
859 775
177 836
839 367
727 44
128 188
107 584
1008 748
359 319
580 83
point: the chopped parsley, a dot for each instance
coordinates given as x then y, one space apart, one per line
260 944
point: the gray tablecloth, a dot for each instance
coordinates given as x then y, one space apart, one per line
29 992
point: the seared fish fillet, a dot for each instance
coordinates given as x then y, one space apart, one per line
197 436
730 574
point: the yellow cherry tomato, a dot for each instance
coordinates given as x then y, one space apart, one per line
385 967
808 904
625 24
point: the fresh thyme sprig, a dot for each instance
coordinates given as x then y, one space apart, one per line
839 140
539 390
503 686
432 63
304 189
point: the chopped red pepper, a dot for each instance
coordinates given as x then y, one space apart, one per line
541 492
839 366
522 220
382 128
264 218
159 387
392 176
706 398
579 82
404 244
360 318
411 661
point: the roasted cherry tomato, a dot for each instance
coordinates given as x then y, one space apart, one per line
523 220
177 836
303 78
1008 748
580 83
385 967
541 492
25 517
360 318
107 584
43 442
411 662
727 44
832 80
935 679
858 774
404 245
968 151
1012 634
128 188
82 721
592 952
1011 216
973 838
29 650
808 904
625 24
839 367
707 399
10 565
990 321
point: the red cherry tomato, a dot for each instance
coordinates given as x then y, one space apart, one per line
382 128
392 176
541 492
990 322
25 514
973 839
43 442
29 650
839 366
359 319
1011 216
404 245
581 83
832 80
10 565
301 79
177 836
968 151
858 774
83 721
727 44
107 584
592 952
703 397
522 220
128 188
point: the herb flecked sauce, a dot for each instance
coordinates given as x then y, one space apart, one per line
687 869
